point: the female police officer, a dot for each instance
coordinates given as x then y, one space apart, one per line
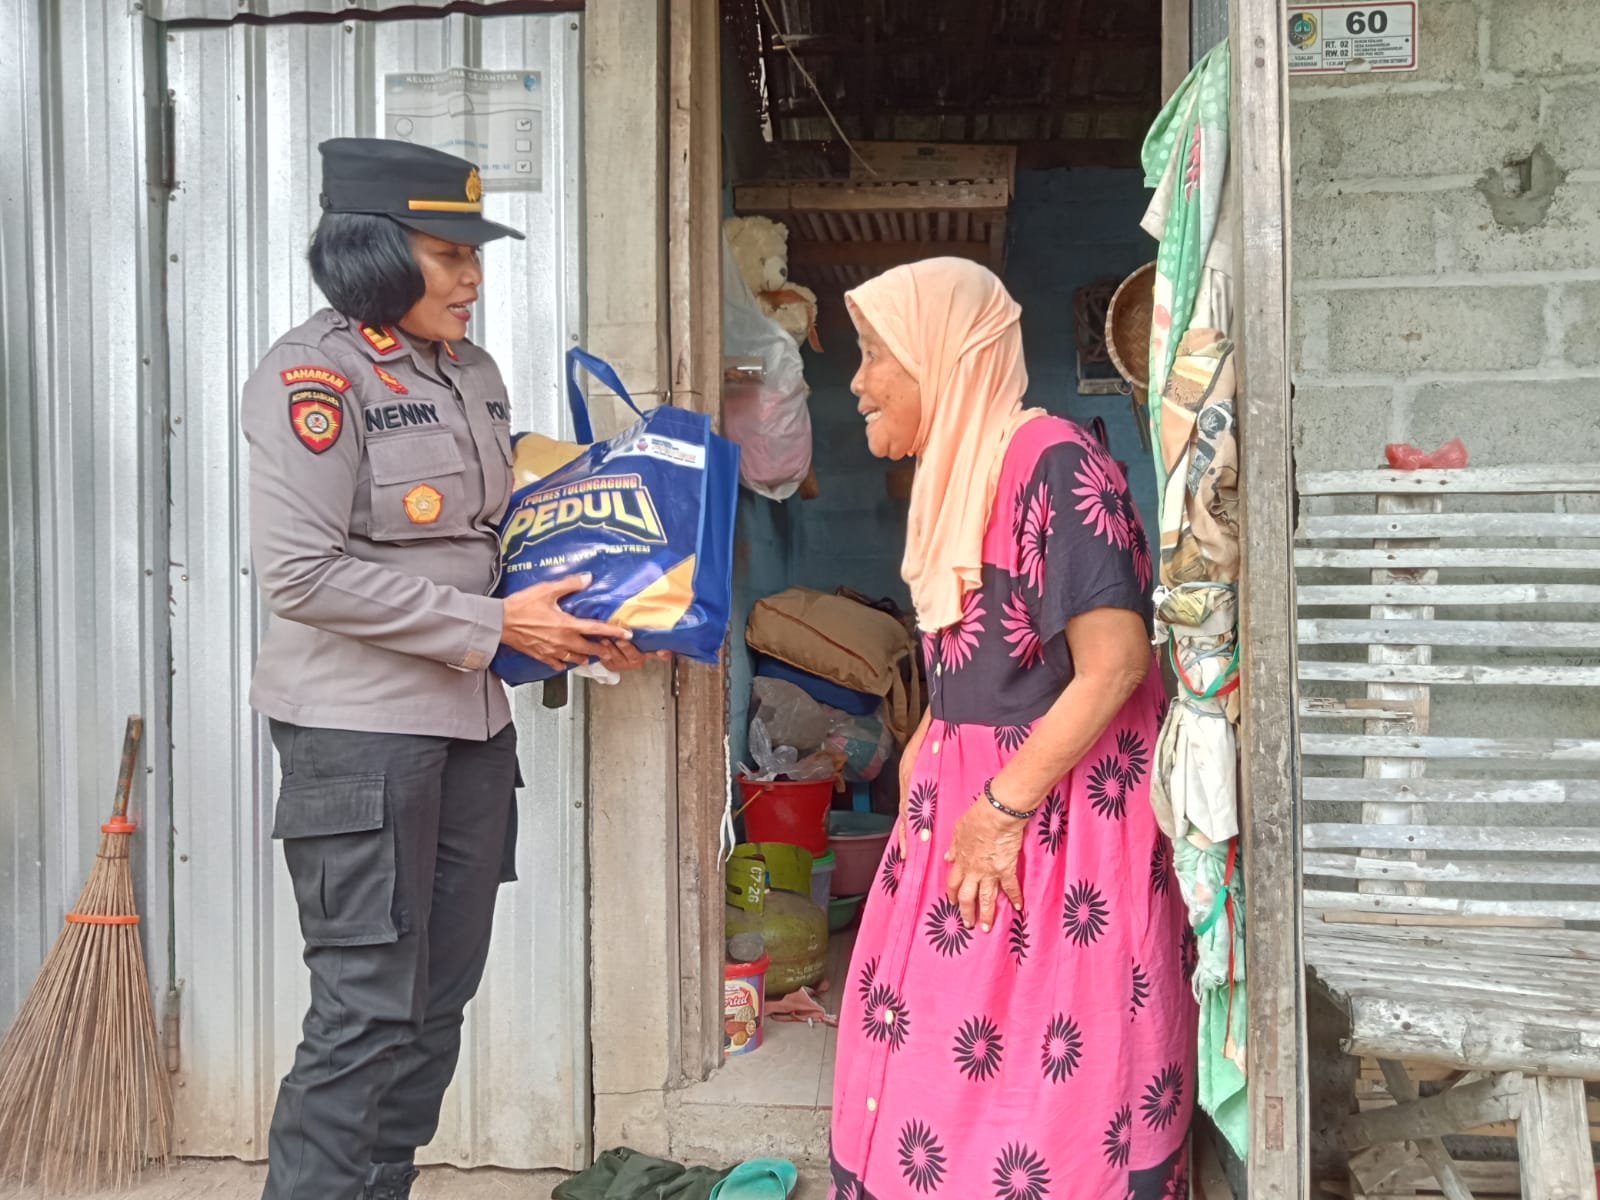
380 466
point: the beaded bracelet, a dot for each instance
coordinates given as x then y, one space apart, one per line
1010 812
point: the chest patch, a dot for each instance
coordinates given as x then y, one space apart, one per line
424 504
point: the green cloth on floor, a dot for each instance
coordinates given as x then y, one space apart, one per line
628 1175
1221 1085
758 1179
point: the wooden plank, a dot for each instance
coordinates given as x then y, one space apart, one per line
1496 985
1568 910
1327 708
1542 479
1458 791
1561 945
1460 1108
1516 749
1520 559
1460 1035
1428 921
1175 58
694 281
1377 1165
1529 635
1447 594
1485 838
1480 526
1523 676
877 255
990 198
1414 695
1431 1150
1280 1139
1553 1141
1486 1179
1350 866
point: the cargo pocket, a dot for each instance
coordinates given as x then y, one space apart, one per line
341 856
508 852
418 487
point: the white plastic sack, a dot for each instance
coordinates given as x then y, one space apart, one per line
768 418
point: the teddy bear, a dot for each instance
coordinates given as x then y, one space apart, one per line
760 248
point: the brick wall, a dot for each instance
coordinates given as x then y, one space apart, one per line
1446 242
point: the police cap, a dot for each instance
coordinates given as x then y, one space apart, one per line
420 187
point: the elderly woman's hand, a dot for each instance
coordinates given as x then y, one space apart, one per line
624 656
534 622
983 858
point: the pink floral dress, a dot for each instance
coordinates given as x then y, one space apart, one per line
1052 1058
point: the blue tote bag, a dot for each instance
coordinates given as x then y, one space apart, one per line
649 514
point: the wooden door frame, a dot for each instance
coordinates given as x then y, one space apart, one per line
694 339
1278 1102
1279 1157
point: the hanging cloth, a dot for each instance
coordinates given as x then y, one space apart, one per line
1185 159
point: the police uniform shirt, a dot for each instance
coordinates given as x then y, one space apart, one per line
378 478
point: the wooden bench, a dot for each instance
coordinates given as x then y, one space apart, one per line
1451 866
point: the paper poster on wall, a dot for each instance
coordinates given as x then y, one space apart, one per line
1337 39
492 118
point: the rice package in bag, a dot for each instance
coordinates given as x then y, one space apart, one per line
649 514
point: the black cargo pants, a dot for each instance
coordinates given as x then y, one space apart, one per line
396 844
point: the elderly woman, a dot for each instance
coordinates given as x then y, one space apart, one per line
380 467
1017 1023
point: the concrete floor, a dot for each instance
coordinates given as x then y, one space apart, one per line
219 1179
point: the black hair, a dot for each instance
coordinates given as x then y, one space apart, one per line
365 267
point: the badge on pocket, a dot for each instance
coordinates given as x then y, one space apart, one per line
424 504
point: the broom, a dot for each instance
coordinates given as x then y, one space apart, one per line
85 1100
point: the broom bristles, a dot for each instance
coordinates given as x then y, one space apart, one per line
85 1099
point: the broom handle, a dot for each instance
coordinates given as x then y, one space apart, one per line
130 759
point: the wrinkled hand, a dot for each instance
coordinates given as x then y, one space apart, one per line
533 622
623 656
983 860
908 764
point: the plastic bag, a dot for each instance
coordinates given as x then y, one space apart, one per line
1408 458
790 732
766 415
649 514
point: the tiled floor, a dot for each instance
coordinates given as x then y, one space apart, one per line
794 1066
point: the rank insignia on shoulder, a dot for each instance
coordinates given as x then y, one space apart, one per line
423 504
316 417
381 338
389 381
326 376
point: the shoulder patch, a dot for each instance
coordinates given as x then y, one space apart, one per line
317 417
380 338
389 381
326 376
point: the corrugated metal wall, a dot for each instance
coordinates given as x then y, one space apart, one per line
123 560
251 103
82 623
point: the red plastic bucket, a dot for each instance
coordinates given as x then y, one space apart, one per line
795 814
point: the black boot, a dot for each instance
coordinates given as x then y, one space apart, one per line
389 1181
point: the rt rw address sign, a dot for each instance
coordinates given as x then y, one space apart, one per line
1336 39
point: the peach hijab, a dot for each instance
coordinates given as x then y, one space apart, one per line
955 328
